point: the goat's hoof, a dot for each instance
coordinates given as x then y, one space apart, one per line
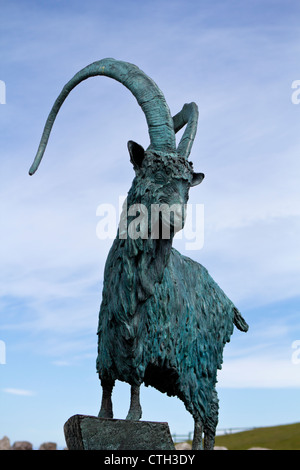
134 415
105 414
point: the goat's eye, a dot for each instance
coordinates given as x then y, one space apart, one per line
159 177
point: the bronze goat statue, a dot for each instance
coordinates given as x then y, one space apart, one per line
163 320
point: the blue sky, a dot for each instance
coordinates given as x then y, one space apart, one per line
237 61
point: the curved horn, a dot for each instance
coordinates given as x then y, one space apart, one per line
147 93
188 115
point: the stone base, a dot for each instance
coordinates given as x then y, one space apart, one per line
92 433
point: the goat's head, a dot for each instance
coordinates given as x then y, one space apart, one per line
163 169
162 184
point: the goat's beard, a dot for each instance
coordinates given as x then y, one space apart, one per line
159 222
175 220
165 225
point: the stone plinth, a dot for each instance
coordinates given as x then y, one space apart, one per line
92 433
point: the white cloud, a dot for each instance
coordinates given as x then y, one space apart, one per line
61 363
19 391
264 357
260 371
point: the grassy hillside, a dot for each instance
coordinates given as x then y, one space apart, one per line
285 437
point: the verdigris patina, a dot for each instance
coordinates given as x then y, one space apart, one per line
163 320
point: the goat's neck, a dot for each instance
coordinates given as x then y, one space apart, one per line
146 258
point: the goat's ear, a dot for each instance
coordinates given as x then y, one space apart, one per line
136 153
197 178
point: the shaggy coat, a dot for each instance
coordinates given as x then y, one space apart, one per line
163 320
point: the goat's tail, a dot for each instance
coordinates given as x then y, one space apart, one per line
239 321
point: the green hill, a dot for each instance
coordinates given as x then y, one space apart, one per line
286 437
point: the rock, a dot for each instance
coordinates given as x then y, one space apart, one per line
258 448
4 443
183 446
22 445
93 433
220 448
48 446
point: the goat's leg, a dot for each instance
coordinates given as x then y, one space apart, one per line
106 410
210 431
135 410
197 440
209 440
